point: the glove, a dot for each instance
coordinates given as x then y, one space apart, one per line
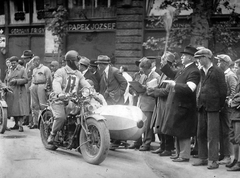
61 96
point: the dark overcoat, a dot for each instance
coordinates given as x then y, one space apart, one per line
161 93
213 90
180 117
18 100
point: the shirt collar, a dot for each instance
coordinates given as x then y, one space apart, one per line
84 72
106 69
206 70
150 73
188 64
40 65
226 71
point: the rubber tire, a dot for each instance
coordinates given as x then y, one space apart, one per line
104 145
47 114
3 114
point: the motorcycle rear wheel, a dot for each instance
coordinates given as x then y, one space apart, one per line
3 119
46 129
96 149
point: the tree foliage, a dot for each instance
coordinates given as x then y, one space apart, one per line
58 25
215 31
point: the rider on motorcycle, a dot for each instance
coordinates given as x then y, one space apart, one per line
67 80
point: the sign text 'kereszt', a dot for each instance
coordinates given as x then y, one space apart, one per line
91 26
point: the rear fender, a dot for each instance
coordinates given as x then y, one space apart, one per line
3 103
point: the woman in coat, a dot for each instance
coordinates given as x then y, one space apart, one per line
17 101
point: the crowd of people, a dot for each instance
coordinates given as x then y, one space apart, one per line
194 109
193 106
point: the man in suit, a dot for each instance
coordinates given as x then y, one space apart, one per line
211 98
224 62
84 68
180 117
112 84
146 102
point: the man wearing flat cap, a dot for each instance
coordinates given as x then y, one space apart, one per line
41 78
112 84
211 99
146 102
84 64
17 101
180 116
224 62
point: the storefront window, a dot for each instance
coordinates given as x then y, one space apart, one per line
2 15
19 10
38 11
153 8
87 9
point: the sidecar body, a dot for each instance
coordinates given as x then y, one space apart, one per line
123 122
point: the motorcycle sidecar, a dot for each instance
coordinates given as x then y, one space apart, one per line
123 122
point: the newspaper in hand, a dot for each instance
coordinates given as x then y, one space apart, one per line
153 83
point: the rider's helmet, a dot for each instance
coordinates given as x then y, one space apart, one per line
71 57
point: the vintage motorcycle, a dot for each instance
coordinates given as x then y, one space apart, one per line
3 109
83 130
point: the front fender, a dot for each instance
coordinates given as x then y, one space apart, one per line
41 114
3 103
96 117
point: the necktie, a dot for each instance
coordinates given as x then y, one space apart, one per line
145 80
104 77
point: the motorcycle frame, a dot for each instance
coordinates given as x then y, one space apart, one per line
81 123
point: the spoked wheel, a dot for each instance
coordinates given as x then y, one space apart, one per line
45 129
3 119
95 150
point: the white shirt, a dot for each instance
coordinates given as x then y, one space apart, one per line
106 71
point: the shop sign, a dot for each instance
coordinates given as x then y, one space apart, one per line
92 26
26 30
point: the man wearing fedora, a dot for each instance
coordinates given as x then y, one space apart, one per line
112 84
180 116
211 99
84 64
27 56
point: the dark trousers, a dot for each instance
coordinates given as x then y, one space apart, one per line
225 146
208 134
167 142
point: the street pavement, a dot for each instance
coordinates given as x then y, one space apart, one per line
22 155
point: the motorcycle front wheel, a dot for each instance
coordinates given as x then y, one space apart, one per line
95 150
45 129
3 119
